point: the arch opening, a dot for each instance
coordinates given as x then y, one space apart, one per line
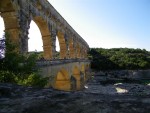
62 44
57 56
2 43
2 27
46 37
62 80
35 43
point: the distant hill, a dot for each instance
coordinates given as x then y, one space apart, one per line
119 58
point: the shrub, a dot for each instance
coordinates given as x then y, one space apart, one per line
35 80
7 77
18 68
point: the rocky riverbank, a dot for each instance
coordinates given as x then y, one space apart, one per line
95 98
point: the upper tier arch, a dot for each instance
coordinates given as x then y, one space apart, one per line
17 15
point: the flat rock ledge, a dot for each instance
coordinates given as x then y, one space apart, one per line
95 98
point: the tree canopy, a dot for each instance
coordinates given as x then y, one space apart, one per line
119 58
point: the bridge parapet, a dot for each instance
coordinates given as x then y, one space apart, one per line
42 63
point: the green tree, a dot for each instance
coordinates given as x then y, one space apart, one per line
18 68
119 58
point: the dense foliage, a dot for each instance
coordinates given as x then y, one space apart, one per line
18 68
119 58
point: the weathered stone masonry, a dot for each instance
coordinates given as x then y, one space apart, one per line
17 15
68 73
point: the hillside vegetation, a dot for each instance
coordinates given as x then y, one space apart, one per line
119 58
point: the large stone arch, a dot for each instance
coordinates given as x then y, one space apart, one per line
62 45
11 23
75 49
46 36
62 80
71 49
78 50
17 14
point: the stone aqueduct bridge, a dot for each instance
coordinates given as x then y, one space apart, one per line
70 72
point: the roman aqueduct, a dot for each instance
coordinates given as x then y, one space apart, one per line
70 71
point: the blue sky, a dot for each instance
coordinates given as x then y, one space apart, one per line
109 23
104 23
